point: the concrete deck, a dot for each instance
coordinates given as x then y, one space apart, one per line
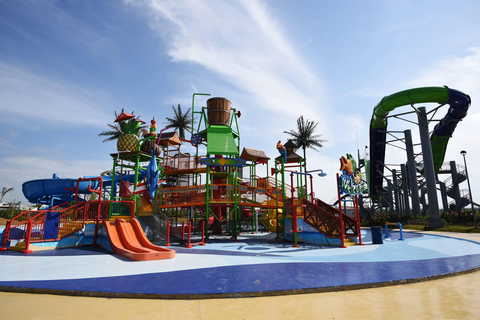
254 267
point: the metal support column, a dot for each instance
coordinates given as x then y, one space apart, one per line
443 191
398 205
429 170
406 204
412 173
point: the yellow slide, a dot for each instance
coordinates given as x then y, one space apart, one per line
144 206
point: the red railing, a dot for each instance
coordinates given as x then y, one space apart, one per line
17 227
184 162
326 218
31 228
217 194
182 196
323 219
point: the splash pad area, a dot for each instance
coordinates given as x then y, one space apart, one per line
256 265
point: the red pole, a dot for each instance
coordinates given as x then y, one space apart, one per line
6 234
342 227
97 220
168 234
357 217
189 228
27 238
202 243
183 230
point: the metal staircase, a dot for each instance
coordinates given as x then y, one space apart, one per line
461 197
326 219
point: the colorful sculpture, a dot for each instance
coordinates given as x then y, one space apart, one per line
282 150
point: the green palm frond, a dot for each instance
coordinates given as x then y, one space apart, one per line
5 190
181 121
305 138
129 126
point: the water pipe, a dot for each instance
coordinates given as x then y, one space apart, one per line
386 231
401 232
160 135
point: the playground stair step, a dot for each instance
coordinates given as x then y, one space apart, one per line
113 218
20 246
349 242
71 225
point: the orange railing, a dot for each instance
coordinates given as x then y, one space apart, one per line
258 196
270 183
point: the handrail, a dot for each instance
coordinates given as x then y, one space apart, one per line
185 196
32 230
330 219
36 224
22 226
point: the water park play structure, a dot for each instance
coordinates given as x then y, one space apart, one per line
148 191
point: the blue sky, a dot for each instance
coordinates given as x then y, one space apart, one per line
66 66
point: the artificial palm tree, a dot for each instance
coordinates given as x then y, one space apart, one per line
305 137
5 190
126 131
181 121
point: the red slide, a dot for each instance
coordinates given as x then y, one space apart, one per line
129 241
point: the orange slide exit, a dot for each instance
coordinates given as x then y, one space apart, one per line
129 241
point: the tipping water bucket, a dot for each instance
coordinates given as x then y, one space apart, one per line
218 111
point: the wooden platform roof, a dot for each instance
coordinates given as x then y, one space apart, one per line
171 138
257 155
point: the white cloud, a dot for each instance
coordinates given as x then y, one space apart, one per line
242 43
461 73
29 96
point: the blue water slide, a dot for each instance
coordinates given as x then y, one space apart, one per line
61 190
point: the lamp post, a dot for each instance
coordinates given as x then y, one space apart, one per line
463 153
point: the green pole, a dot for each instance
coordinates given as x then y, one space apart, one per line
193 105
113 179
235 206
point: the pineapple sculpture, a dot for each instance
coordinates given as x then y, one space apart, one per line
126 131
130 127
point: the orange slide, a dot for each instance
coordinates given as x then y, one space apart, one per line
129 241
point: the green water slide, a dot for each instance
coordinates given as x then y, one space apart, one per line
459 104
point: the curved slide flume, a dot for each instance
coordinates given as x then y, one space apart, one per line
63 189
459 103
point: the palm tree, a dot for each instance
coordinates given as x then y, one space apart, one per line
305 137
181 121
128 126
4 192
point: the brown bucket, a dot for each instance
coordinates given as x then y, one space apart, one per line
218 111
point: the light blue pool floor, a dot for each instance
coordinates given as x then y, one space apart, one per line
255 265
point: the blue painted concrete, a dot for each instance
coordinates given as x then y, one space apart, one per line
256 265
